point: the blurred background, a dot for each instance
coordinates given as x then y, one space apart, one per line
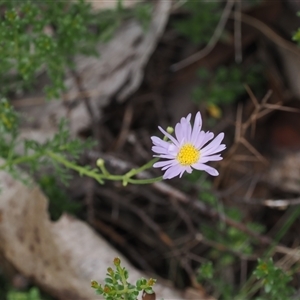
114 71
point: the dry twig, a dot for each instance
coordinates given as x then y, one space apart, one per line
211 44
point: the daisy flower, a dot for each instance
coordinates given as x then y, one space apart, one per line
191 149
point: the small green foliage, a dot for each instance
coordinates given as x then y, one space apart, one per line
226 84
274 280
117 286
206 195
203 17
296 36
9 122
231 237
45 36
208 276
208 198
8 128
142 13
206 271
38 36
62 142
37 155
8 117
228 236
195 177
32 294
59 201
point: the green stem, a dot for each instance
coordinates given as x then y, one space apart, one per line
72 166
126 178
146 166
127 291
124 281
145 181
20 160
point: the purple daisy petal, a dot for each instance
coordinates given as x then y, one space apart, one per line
161 164
196 128
213 146
173 150
159 142
188 117
181 173
179 133
169 136
188 169
202 167
206 159
168 156
185 127
171 164
159 150
203 138
172 172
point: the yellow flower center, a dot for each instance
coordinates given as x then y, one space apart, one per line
188 155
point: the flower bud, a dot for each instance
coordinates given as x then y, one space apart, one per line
100 162
117 261
151 282
94 284
170 129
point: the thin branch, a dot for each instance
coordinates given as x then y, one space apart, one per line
212 213
238 31
269 33
211 44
